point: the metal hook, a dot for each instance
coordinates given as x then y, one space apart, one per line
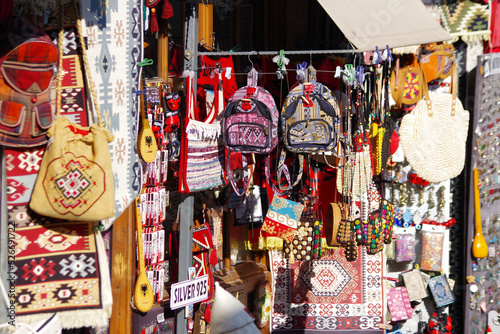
250 60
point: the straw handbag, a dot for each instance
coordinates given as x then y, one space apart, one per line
75 181
434 134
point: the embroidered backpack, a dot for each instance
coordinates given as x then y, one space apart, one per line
310 121
250 123
310 118
28 64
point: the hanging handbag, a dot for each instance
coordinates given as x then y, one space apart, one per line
434 134
75 181
306 244
282 218
406 81
202 151
28 62
250 125
310 122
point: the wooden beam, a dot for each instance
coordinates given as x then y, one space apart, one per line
123 271
163 58
205 23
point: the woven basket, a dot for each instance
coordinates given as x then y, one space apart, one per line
434 134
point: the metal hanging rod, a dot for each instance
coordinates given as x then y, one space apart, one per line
274 53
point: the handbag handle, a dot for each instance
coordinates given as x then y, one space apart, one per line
453 89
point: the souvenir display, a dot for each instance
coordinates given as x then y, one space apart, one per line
270 194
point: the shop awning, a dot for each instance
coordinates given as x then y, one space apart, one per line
397 23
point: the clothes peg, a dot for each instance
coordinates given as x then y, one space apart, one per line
379 56
141 92
301 71
338 72
350 72
389 54
228 72
281 61
360 74
145 62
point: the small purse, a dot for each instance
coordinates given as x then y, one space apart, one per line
414 284
306 244
432 248
282 218
406 81
405 244
399 304
75 181
441 291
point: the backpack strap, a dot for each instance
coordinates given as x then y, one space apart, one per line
267 171
230 175
282 168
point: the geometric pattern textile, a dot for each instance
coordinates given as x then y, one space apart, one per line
59 270
327 295
115 41
465 19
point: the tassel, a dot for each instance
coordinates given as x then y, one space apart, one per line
208 313
168 10
213 256
154 21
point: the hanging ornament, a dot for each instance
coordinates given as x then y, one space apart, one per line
154 22
168 10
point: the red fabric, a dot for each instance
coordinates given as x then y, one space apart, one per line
176 60
6 9
35 52
327 188
495 25
327 78
207 65
393 146
168 11
204 82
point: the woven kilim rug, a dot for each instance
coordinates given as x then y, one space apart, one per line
465 19
115 42
327 295
62 267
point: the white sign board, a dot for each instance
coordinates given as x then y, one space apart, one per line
188 292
